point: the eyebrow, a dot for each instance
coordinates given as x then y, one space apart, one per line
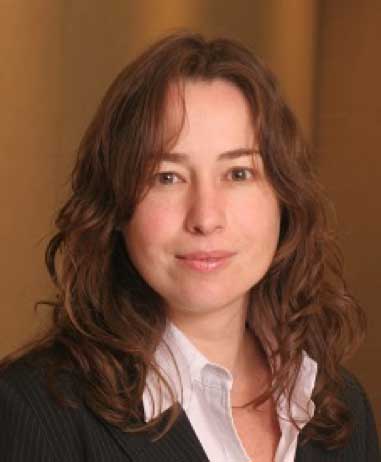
178 157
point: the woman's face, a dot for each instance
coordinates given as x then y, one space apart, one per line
209 195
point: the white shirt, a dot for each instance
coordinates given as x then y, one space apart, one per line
206 399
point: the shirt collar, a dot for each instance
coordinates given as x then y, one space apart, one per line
191 362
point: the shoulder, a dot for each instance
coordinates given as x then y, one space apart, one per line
357 400
364 436
26 380
363 443
45 429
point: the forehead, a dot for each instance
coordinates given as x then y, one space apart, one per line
197 94
207 109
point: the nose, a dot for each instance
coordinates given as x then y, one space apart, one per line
206 210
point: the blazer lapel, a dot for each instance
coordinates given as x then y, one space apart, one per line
178 445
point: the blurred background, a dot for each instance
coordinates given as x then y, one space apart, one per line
59 56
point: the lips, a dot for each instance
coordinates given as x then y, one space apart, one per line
205 262
211 255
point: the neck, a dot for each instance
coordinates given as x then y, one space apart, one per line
224 339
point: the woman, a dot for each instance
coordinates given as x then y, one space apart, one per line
202 312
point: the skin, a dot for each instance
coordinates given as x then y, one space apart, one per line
206 204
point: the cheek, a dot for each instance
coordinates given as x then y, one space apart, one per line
152 225
258 218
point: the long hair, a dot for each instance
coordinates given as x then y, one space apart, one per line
107 322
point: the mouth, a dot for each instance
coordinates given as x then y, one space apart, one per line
205 261
210 255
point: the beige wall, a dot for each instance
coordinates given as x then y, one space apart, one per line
349 144
30 135
58 56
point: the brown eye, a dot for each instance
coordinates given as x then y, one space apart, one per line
242 174
166 178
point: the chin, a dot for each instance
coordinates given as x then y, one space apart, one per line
207 302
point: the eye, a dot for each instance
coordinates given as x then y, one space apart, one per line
241 173
167 178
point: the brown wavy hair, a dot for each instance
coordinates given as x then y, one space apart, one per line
107 322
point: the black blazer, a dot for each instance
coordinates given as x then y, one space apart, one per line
33 428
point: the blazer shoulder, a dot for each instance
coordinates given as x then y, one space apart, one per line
48 430
17 387
355 394
42 425
364 438
25 371
27 377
